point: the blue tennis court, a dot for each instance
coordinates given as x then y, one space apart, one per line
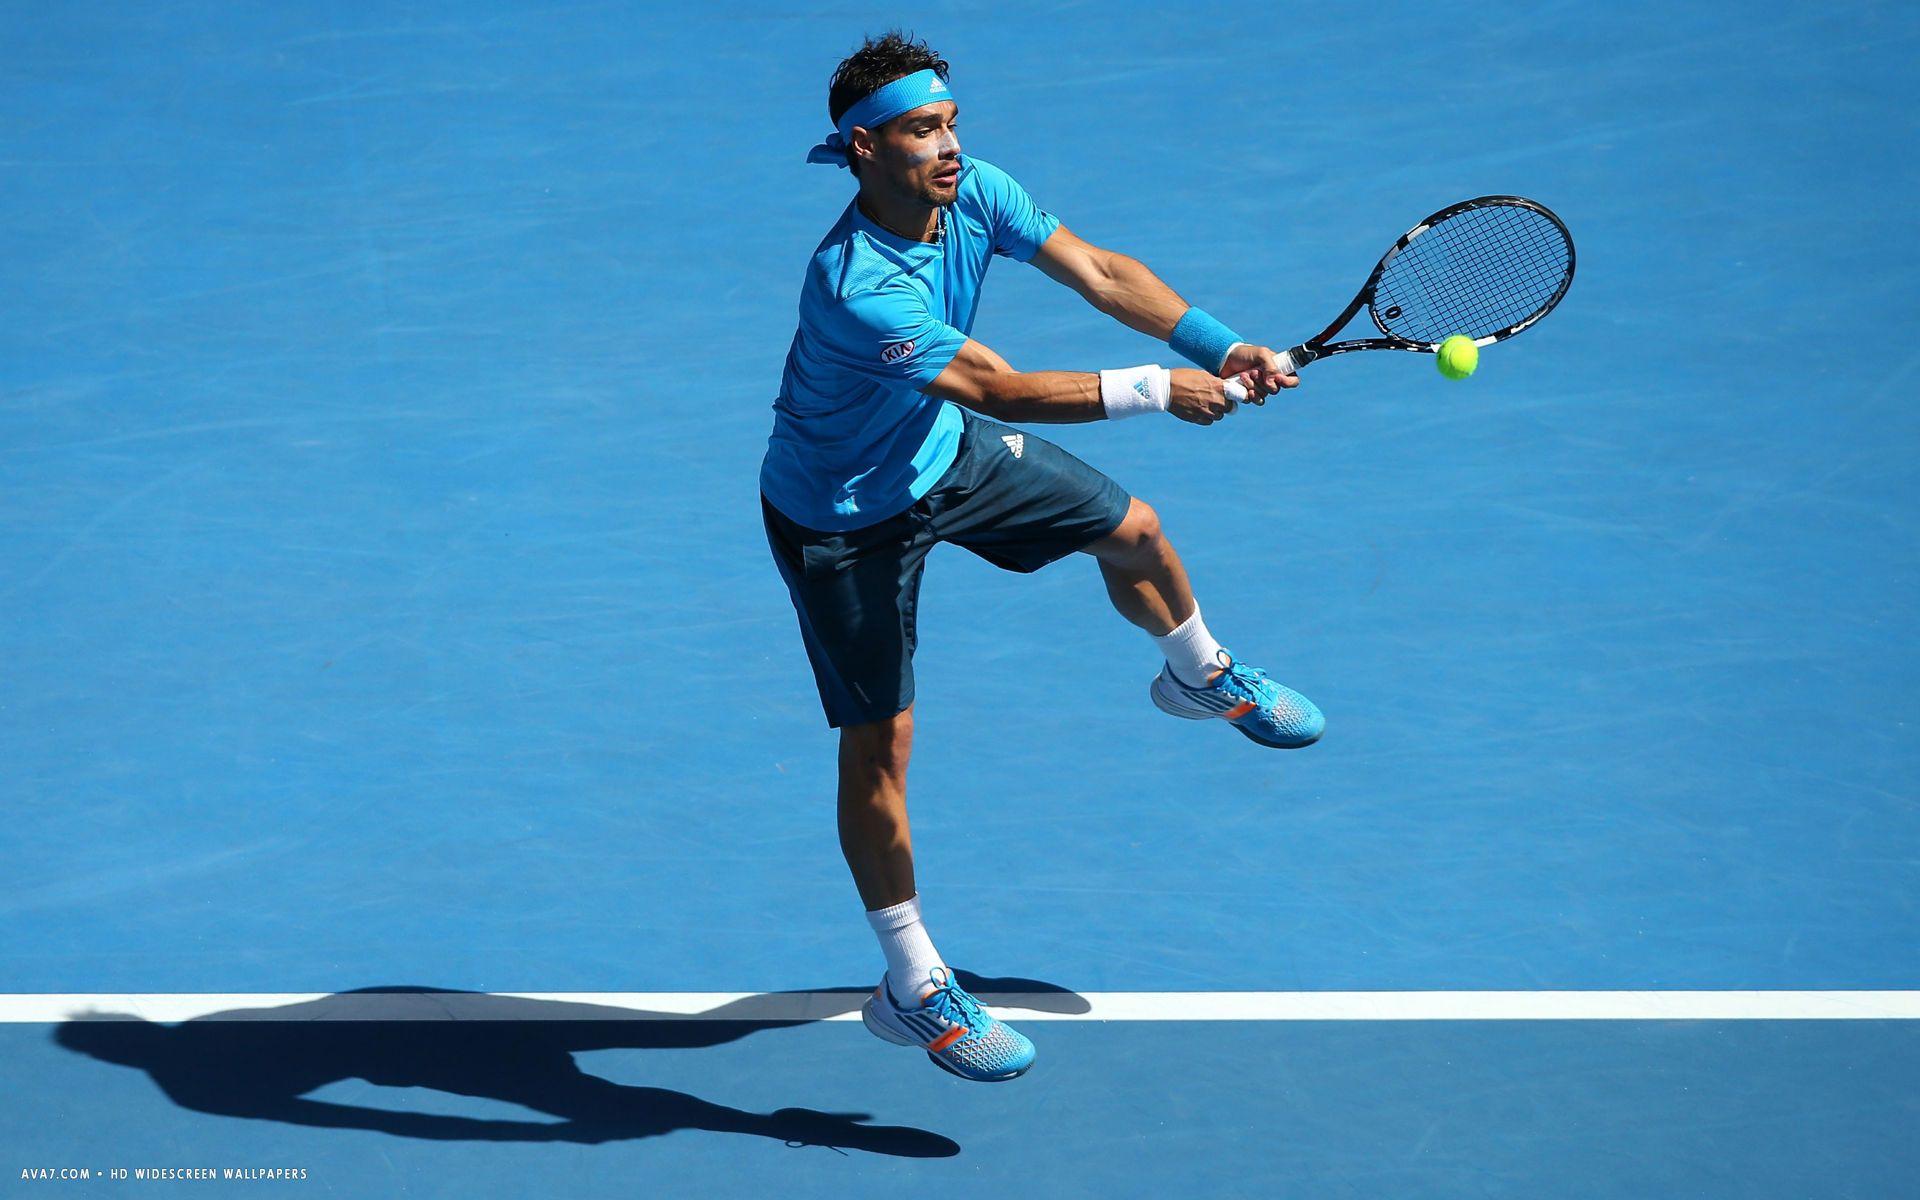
414 778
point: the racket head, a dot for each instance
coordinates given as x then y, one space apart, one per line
1487 268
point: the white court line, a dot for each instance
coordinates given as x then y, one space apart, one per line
27 1008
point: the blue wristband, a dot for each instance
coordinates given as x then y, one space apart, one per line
1203 339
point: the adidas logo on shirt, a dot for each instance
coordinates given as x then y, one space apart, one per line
1016 442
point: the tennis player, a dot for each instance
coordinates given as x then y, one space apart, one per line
887 440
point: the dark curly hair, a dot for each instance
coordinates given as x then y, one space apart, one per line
878 62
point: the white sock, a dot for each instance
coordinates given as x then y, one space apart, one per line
910 953
1191 651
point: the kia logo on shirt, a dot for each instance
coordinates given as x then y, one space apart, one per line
896 352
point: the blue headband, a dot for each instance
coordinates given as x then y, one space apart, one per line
902 95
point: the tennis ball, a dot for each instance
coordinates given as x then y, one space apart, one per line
1458 356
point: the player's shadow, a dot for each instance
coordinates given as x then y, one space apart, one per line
262 1063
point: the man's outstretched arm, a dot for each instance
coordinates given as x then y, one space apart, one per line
1126 290
984 382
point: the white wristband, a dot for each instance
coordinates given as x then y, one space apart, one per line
1130 391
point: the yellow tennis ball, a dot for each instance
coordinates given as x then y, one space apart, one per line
1458 356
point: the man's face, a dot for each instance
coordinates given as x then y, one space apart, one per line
917 154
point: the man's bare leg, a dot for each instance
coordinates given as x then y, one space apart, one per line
873 809
879 848
1149 588
1143 573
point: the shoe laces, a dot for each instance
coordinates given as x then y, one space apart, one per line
951 1003
1248 683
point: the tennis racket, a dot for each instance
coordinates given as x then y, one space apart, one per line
1486 268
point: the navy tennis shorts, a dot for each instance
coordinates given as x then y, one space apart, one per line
1014 499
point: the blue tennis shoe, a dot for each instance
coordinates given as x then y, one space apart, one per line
957 1034
1265 711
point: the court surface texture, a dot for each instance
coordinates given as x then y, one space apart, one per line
413 777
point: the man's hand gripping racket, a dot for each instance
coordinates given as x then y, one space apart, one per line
1484 268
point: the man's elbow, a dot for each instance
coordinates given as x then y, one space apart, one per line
978 379
994 393
1107 285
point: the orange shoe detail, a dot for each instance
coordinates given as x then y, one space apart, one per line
947 1039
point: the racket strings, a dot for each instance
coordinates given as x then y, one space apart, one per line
1517 260
1488 269
1481 272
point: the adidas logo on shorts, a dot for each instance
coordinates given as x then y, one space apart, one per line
1016 442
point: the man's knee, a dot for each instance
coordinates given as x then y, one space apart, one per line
1138 538
881 746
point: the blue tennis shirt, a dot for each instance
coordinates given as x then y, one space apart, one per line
855 440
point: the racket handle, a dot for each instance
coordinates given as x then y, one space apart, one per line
1240 395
